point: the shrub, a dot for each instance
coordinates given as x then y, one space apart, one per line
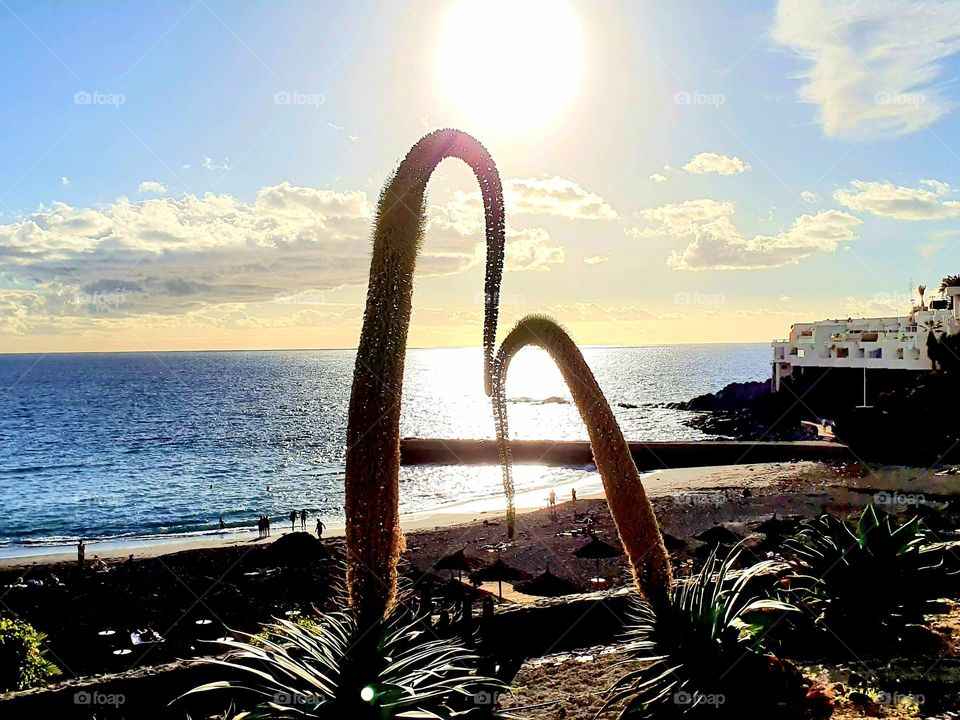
865 581
22 661
705 651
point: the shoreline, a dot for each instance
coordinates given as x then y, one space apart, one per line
658 483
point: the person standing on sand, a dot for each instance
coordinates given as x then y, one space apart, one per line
81 553
303 520
293 520
320 528
553 499
573 494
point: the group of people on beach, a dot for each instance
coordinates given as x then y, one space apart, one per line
263 524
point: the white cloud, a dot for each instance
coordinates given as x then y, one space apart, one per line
709 162
556 196
896 201
716 243
719 245
596 259
552 196
658 177
680 220
151 186
64 180
809 197
873 65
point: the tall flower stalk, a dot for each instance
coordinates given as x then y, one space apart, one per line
631 509
374 541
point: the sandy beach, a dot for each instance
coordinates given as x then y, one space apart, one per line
660 483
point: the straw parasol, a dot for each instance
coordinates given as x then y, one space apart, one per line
500 572
548 585
457 561
598 550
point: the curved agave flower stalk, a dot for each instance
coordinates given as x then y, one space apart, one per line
373 534
631 509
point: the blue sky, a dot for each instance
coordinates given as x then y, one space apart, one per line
201 174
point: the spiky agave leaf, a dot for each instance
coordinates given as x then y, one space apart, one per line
693 645
373 425
868 579
333 669
631 509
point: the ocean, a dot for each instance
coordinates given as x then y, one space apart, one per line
139 446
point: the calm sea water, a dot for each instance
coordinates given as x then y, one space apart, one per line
115 446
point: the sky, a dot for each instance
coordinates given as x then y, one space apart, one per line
202 175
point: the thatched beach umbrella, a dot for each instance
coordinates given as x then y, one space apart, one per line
598 550
548 585
458 561
500 572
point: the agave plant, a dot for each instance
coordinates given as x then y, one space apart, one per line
297 671
703 652
631 509
865 581
370 661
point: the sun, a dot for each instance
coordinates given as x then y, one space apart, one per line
510 64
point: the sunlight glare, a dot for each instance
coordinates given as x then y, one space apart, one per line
510 64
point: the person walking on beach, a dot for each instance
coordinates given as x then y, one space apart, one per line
320 528
293 520
303 520
553 499
81 553
573 494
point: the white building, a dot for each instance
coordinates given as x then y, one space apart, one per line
888 343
